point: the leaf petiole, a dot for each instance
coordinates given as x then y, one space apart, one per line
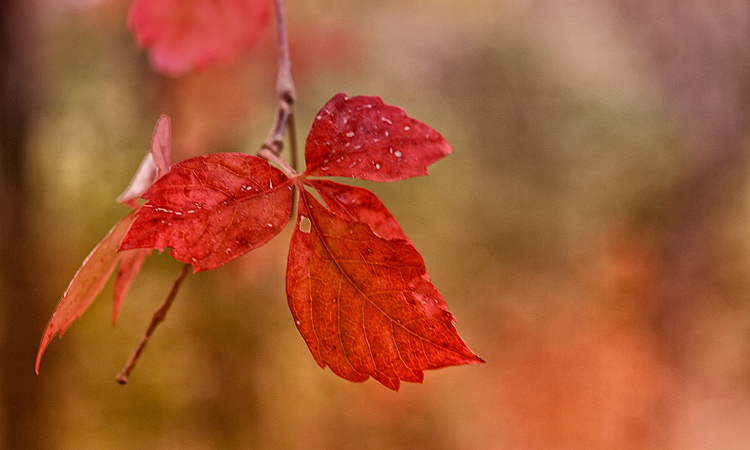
269 156
293 141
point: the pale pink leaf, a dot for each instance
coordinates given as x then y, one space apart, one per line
161 145
144 177
155 164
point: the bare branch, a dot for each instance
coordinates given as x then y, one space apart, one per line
284 84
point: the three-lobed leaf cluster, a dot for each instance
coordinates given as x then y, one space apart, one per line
356 285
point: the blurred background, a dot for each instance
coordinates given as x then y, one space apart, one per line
590 231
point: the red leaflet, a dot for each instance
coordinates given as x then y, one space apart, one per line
86 284
364 138
183 35
358 205
364 304
213 209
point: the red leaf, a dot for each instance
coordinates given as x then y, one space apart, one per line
143 178
213 209
358 205
130 264
86 283
364 304
184 35
364 138
161 145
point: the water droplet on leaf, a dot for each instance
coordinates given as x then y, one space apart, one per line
305 225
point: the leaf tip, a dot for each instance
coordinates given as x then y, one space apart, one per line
161 145
477 360
42 347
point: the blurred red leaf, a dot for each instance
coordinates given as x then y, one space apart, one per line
364 138
86 283
183 35
213 209
364 304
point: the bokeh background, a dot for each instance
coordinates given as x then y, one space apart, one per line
590 232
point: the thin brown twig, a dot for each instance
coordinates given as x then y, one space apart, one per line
293 141
284 84
158 317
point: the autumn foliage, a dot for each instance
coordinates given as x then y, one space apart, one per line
356 286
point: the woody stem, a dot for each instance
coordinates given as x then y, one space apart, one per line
158 318
284 85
